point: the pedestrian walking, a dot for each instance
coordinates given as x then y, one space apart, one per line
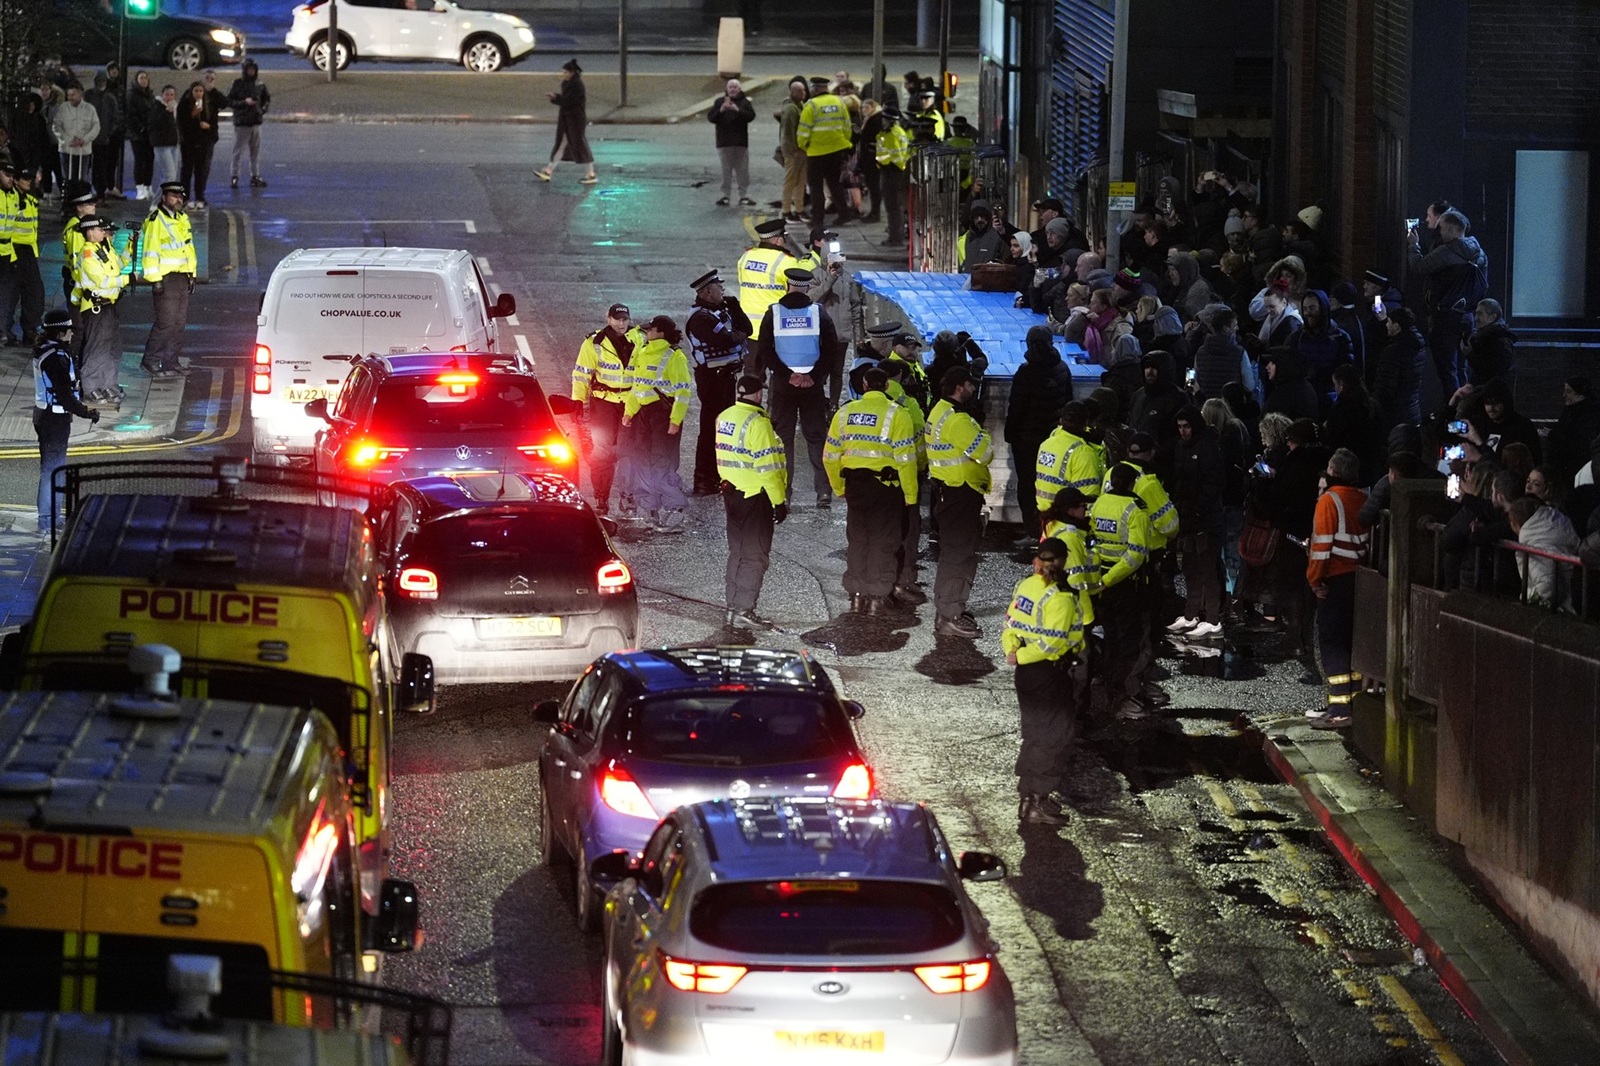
760 271
168 263
26 291
1338 544
718 333
100 282
652 422
197 140
55 402
249 100
1122 548
572 125
802 356
600 379
789 154
959 453
731 115
823 134
754 490
75 124
1043 638
142 103
871 459
162 130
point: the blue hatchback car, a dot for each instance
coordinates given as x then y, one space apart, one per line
644 732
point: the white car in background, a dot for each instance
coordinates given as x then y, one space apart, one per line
431 30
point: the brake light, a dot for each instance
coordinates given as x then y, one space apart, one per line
955 977
419 583
365 454
457 383
261 371
614 577
710 977
556 451
622 793
855 783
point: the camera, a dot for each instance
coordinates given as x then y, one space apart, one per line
1459 427
833 247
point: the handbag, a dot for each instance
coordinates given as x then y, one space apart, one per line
1258 541
994 277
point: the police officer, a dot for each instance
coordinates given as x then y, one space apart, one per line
892 147
959 453
82 206
871 458
657 400
1163 516
168 263
906 589
600 379
754 488
100 285
760 270
55 401
718 332
824 136
9 289
927 122
1043 638
1122 547
25 245
880 346
801 353
1067 458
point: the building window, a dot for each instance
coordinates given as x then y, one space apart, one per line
1550 235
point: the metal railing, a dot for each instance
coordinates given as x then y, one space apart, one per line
937 198
1493 566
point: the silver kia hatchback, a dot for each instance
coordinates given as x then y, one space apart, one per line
801 930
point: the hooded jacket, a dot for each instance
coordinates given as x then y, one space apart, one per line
1548 583
1199 480
1288 391
1041 387
1322 348
979 247
1396 378
1513 428
1356 422
1154 408
1492 356
1193 292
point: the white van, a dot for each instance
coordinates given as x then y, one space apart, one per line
325 306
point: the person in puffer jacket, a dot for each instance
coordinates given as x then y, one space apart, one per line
1041 387
1321 344
1220 358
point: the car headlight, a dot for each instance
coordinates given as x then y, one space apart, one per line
526 34
224 36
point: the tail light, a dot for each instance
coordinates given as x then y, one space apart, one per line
613 577
261 371
622 794
555 451
458 382
711 977
419 583
955 976
367 454
855 783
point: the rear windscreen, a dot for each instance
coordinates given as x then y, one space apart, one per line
499 537
739 729
493 404
826 917
361 312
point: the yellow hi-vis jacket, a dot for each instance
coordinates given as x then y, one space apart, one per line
750 457
959 450
919 423
892 146
761 281
1082 569
1066 460
1042 622
166 244
824 126
658 372
1158 507
872 433
1121 537
99 275
934 117
600 370
25 221
10 202
72 242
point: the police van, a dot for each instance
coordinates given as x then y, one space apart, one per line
137 826
325 307
260 596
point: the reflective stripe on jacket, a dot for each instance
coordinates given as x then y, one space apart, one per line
959 450
1042 622
658 372
761 281
99 275
893 146
824 126
166 244
1338 539
1082 570
872 433
750 457
1066 460
1121 537
601 369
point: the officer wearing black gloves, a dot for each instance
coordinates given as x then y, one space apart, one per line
55 401
718 332
803 355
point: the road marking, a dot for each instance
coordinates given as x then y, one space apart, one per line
511 320
483 266
206 436
523 348
233 246
1420 1020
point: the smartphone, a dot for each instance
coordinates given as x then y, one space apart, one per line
1262 468
1459 427
1188 377
1456 451
1452 486
833 247
1413 223
1377 305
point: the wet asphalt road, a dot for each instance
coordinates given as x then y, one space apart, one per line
1191 913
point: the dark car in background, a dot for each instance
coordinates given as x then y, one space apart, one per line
503 577
643 732
84 31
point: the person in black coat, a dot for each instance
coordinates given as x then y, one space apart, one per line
1198 483
1294 492
1491 351
951 350
1154 408
1288 391
1493 422
1575 431
572 125
1356 422
731 115
1041 387
1397 374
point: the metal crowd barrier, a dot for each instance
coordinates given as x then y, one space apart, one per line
937 198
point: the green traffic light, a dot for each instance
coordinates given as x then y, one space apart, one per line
141 9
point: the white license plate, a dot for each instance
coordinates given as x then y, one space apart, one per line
306 395
533 626
828 1039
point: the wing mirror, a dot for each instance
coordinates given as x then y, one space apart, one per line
397 927
318 408
609 525
504 306
415 693
563 406
981 866
855 710
611 870
546 712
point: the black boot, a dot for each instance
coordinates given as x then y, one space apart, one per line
857 603
1038 810
874 605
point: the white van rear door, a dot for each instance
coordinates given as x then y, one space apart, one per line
316 326
408 311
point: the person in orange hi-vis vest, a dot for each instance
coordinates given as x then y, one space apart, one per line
1338 545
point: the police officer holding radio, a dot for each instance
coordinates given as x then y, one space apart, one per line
718 332
55 401
167 261
754 488
801 352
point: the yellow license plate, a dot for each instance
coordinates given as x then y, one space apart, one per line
538 626
830 1040
306 395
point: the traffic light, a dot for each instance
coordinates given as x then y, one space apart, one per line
952 83
141 9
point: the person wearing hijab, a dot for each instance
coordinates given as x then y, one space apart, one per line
572 121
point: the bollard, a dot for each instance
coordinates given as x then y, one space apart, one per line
730 47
